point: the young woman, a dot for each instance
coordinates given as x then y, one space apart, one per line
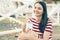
41 23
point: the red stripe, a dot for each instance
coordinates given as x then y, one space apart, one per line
50 37
40 35
36 31
49 22
33 18
35 28
35 25
49 25
34 21
48 28
48 31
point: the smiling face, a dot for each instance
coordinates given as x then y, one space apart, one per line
38 10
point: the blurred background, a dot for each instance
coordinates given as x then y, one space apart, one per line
15 12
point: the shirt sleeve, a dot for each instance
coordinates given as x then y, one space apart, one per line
49 26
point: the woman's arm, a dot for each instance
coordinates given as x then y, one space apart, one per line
24 28
47 31
46 35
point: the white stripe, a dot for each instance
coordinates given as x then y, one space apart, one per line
35 23
35 26
50 39
49 26
48 29
49 20
33 20
49 23
39 33
36 29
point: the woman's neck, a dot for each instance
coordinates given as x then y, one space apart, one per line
38 19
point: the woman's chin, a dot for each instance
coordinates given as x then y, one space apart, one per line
37 15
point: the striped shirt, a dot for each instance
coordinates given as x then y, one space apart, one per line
48 28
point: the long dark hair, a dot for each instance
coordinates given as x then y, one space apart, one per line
44 19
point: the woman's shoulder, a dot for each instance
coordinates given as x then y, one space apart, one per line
31 19
49 20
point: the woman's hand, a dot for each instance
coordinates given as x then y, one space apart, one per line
24 28
40 39
46 35
31 35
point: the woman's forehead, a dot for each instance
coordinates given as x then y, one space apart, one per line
38 5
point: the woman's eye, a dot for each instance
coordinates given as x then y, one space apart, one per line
39 8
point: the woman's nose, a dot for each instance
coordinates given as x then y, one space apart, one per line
36 9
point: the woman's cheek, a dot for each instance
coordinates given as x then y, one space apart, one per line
40 11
